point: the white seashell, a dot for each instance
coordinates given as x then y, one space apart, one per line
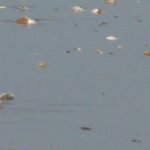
100 51
77 9
111 38
97 11
3 7
78 49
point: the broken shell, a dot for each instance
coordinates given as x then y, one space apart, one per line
42 64
147 53
77 9
6 96
97 11
3 7
111 38
110 1
25 21
78 49
100 51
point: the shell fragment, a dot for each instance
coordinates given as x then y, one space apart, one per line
97 11
3 7
100 51
77 9
6 96
42 64
147 53
111 38
110 1
78 49
25 21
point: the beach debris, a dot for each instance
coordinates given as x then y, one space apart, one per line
3 7
110 1
97 11
25 21
111 38
100 51
147 53
42 64
77 9
6 96
85 128
78 49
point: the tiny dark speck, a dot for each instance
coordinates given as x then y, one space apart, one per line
136 141
86 128
67 52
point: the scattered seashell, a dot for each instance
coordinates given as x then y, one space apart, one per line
42 64
25 21
111 38
147 53
3 7
77 9
6 96
110 1
100 51
78 49
97 11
